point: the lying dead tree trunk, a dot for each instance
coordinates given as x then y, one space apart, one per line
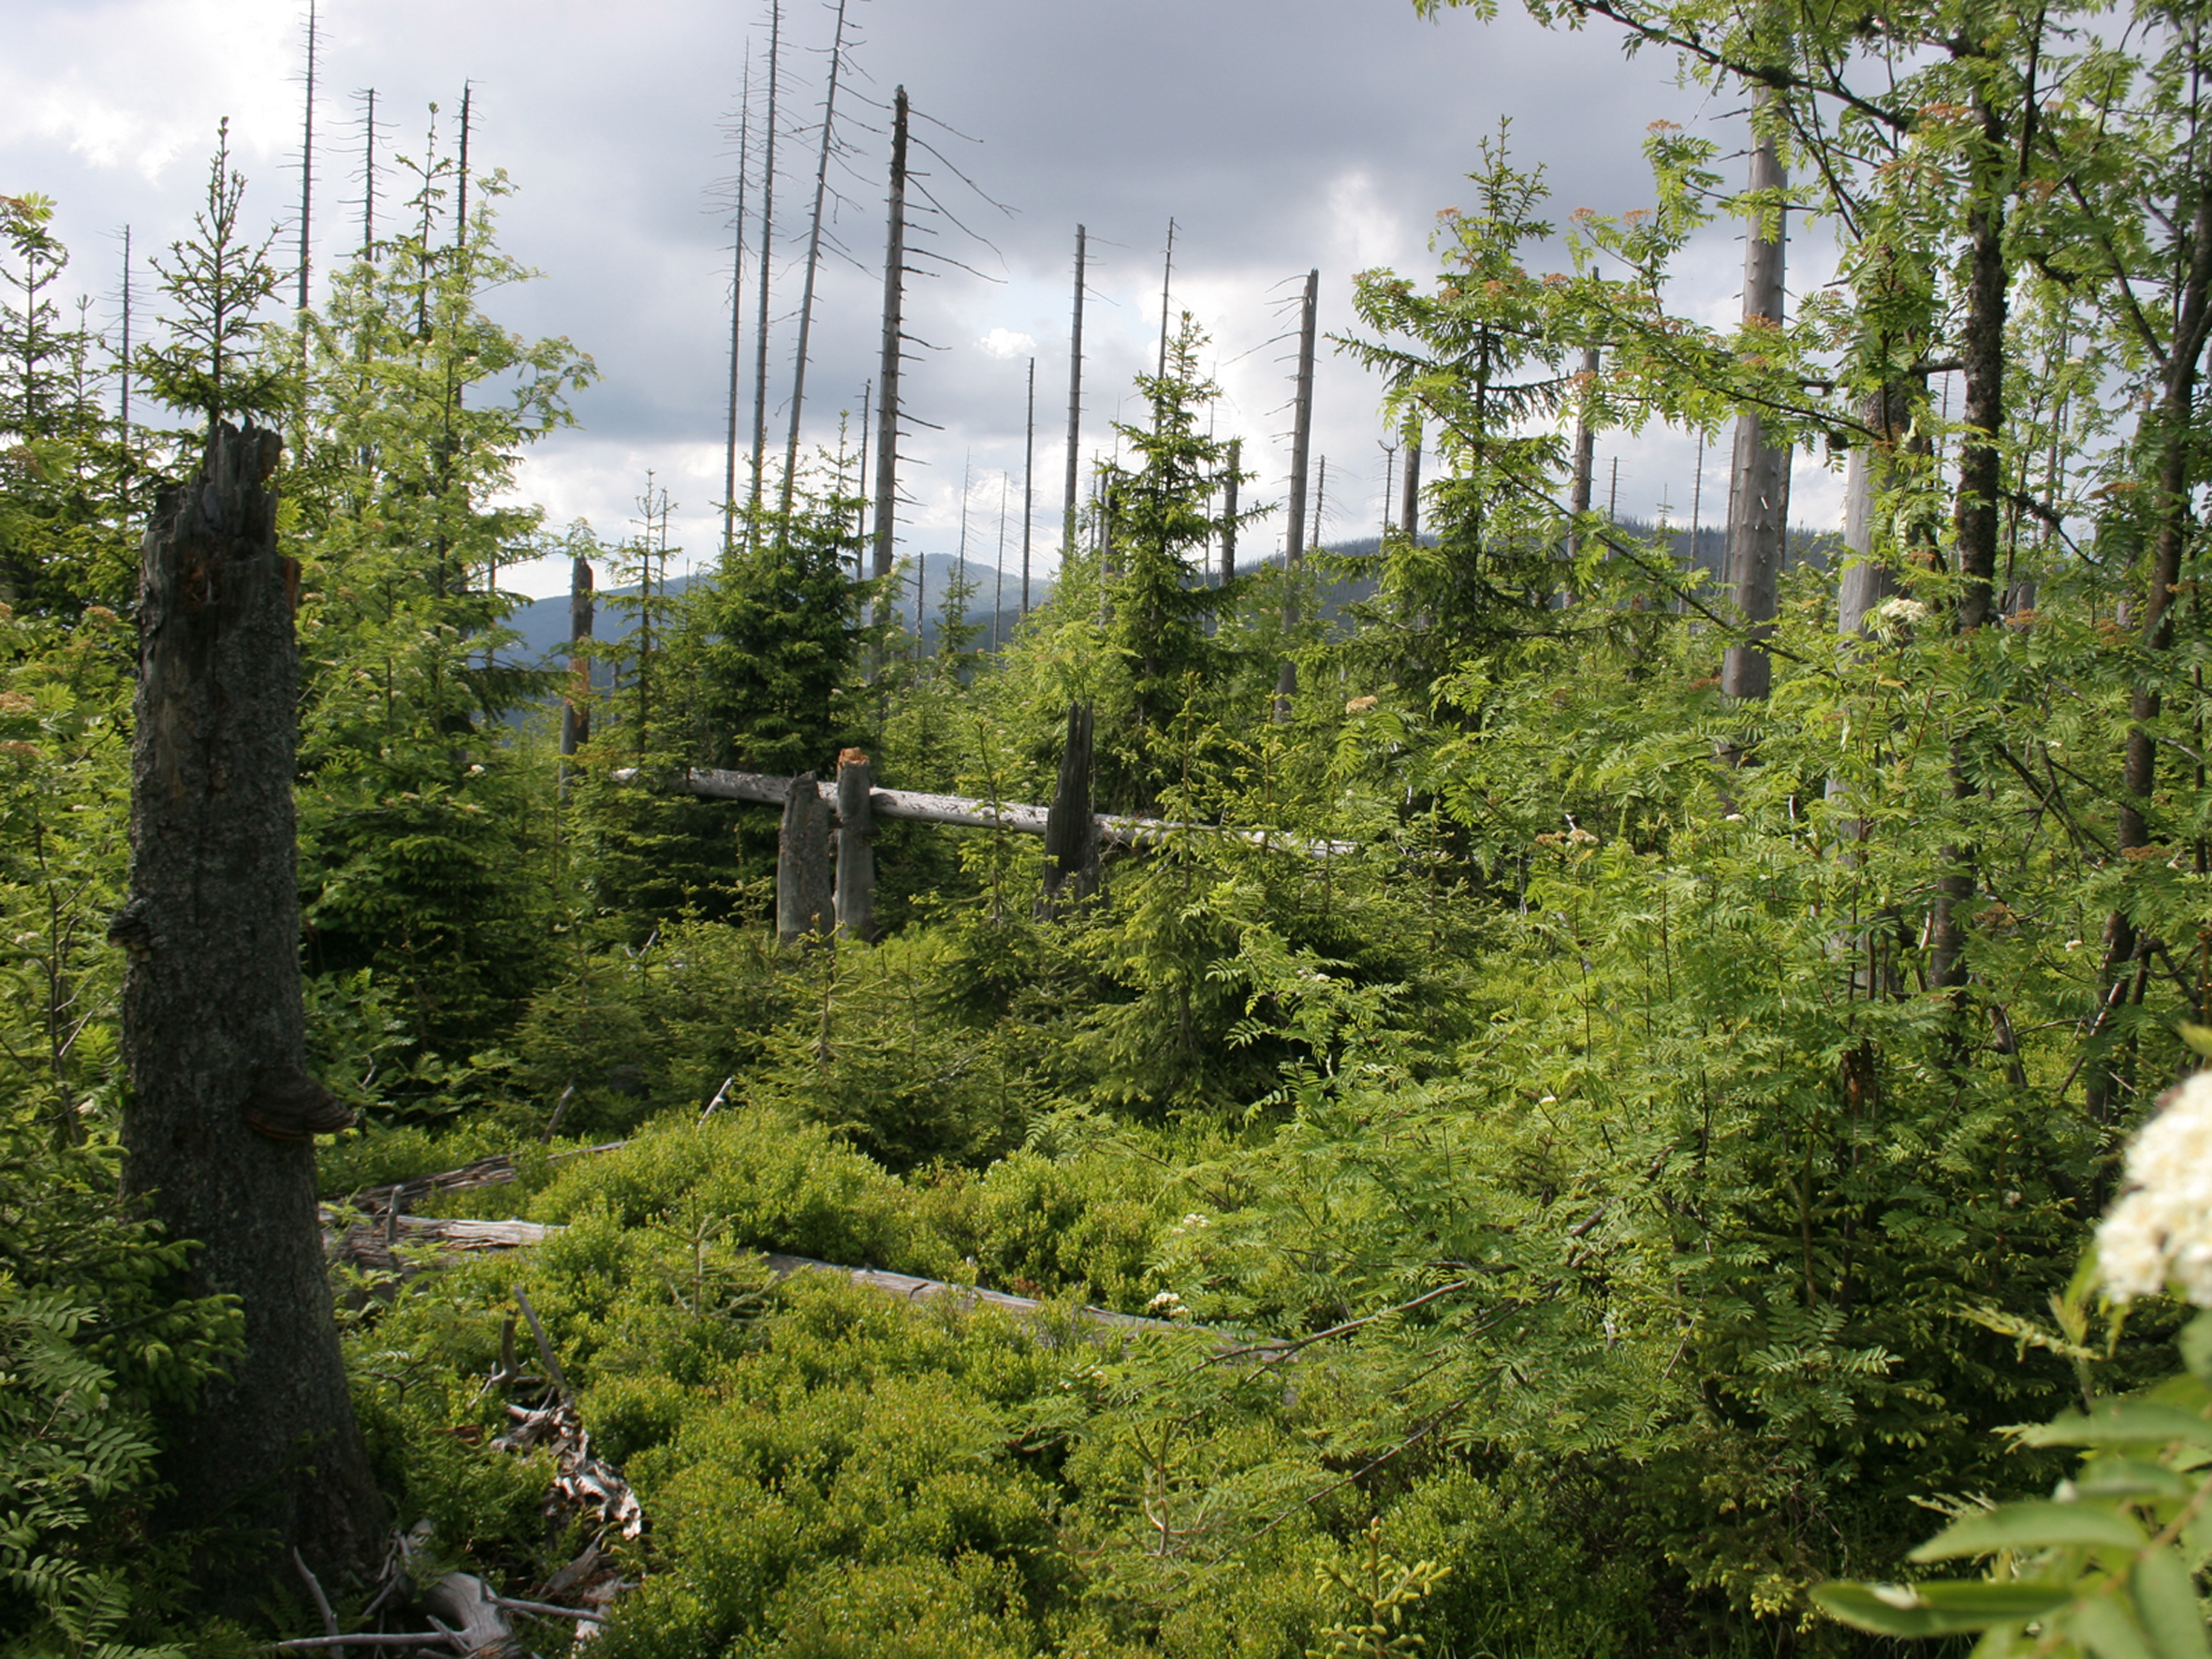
965 813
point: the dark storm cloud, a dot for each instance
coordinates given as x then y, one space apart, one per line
1278 133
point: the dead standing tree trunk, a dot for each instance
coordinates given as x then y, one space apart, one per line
1586 455
1071 831
805 905
855 849
767 249
219 1133
1294 545
887 429
1758 494
1409 506
1074 405
576 710
806 299
1230 480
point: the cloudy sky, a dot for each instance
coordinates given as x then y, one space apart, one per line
1279 135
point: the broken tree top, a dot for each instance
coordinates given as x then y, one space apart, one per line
961 811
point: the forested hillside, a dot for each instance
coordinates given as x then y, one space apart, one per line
1594 1091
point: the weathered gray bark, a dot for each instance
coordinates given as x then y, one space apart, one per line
1229 510
1029 468
855 849
806 298
965 812
576 712
1866 581
1294 545
1409 506
767 248
1075 403
213 1027
886 420
1586 453
736 315
1758 494
1071 832
805 904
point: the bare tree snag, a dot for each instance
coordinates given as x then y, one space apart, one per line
736 312
1759 488
213 1029
1029 465
1071 832
1586 453
1229 482
855 849
767 249
1075 403
1867 581
886 419
576 710
805 903
806 299
1409 505
1294 544
2168 427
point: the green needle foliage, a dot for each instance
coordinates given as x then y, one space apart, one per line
1614 1149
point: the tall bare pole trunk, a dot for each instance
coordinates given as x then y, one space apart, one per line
122 363
576 712
1166 281
1586 453
2170 422
1029 464
806 295
887 418
1409 505
736 315
861 493
1229 510
307 158
1074 400
1865 582
369 180
1302 433
219 1132
998 597
1981 481
767 243
468 95
1758 490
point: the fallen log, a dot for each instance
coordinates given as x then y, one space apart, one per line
489 1171
962 812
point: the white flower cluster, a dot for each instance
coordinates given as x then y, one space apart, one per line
1901 609
2161 1231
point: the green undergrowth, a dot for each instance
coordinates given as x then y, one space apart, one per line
828 1471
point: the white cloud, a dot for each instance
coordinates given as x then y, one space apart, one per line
1005 342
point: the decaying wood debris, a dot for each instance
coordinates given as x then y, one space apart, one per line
373 1244
963 812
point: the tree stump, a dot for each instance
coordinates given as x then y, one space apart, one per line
804 904
218 1133
855 848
